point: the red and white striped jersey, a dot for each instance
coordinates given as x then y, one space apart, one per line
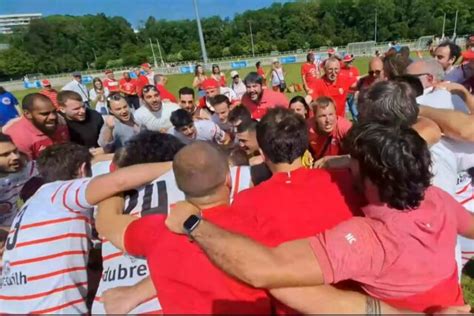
10 188
120 269
46 251
465 196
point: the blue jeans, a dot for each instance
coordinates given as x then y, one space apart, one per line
352 106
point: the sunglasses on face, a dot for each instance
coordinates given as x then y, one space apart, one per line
375 72
149 88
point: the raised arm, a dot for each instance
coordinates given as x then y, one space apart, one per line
454 124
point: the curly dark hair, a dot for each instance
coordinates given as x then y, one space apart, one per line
395 159
148 146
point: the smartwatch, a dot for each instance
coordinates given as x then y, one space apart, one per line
191 224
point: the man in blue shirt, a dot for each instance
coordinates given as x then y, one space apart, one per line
7 106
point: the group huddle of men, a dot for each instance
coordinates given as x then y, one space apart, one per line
286 206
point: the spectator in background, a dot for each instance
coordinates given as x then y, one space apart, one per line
218 75
155 114
160 82
468 54
38 127
8 110
326 129
309 72
188 131
199 77
261 72
259 100
77 86
237 85
118 127
299 106
141 81
128 87
50 92
83 123
278 76
348 69
109 81
447 54
333 85
376 73
149 73
98 94
212 88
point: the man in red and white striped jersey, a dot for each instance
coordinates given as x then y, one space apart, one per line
125 286
45 259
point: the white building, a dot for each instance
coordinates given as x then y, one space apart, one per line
10 21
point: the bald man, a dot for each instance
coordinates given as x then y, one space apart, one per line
376 73
184 278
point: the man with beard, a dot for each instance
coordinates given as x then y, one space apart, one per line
333 85
188 103
84 124
119 127
154 115
38 128
259 100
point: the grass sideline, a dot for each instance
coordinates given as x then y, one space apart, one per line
175 82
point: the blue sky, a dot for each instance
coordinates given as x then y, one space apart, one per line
134 10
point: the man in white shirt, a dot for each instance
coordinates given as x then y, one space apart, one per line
154 115
237 85
76 85
188 131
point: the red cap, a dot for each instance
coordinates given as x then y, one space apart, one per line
331 51
348 58
108 71
45 82
145 65
209 84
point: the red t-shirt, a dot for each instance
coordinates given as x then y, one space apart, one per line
111 84
269 100
351 72
31 140
184 278
295 205
310 72
337 90
467 55
165 94
141 82
319 142
405 258
128 86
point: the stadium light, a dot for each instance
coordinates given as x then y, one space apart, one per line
455 25
444 26
201 36
251 38
153 52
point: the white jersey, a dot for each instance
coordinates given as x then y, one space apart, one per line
155 121
46 252
10 188
206 130
101 167
465 196
120 269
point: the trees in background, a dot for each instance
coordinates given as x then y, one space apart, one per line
65 43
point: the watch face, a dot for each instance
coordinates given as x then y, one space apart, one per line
191 223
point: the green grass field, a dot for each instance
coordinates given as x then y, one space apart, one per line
175 82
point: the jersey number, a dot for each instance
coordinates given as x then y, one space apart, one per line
12 239
147 208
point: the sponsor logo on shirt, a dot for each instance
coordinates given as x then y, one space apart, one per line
6 101
124 272
350 238
8 278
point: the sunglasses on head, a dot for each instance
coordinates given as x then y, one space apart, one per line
149 88
376 72
115 97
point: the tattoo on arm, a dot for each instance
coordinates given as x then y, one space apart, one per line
372 306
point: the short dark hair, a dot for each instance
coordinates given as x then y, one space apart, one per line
253 77
186 91
237 156
247 125
4 138
395 65
282 135
388 102
181 118
148 146
218 99
454 50
64 96
302 100
2 90
61 162
395 159
29 100
240 112
115 96
257 64
308 56
413 81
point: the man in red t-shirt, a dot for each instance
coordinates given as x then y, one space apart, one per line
185 280
348 69
325 129
333 85
128 87
50 92
141 82
258 100
109 81
160 82
309 72
38 128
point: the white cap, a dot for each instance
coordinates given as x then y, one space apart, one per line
233 73
275 60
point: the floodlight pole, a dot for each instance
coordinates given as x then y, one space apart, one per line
251 39
455 25
375 27
153 52
159 51
201 36
444 26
